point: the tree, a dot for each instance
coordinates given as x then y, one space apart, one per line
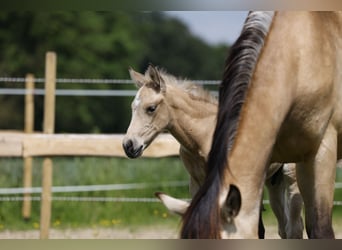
96 45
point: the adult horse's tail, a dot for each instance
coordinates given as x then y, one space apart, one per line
202 219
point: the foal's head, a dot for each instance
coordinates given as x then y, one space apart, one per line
150 114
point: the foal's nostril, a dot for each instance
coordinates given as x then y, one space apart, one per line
131 148
129 144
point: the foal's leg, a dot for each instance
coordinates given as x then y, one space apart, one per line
316 179
276 192
194 168
294 225
261 227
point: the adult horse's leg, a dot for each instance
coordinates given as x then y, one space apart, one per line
316 179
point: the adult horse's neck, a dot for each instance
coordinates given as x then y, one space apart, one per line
192 120
235 112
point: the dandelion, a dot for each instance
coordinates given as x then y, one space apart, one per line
35 225
105 223
164 215
116 222
155 212
57 223
2 226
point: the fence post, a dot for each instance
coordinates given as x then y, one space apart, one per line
48 128
29 127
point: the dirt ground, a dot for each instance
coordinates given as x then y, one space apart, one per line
104 233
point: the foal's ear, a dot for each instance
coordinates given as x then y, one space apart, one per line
157 81
138 79
174 205
233 202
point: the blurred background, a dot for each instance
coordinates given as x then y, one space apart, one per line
103 45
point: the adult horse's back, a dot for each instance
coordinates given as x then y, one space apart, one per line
280 101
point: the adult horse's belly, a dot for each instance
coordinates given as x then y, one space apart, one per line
299 138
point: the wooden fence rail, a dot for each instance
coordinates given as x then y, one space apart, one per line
16 144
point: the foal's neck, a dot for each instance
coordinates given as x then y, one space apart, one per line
193 120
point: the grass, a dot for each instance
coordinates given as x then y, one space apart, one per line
74 171
96 171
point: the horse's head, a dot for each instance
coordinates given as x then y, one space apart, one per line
150 114
226 226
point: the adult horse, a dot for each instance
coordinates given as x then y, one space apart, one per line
280 100
188 112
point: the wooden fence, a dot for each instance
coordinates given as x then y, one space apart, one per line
17 144
47 144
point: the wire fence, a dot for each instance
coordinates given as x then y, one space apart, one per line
82 199
92 81
89 188
104 199
93 188
68 80
82 92
70 92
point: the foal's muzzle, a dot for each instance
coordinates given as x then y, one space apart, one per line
132 148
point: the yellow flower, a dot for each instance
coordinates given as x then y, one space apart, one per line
1 226
164 215
105 223
35 225
116 222
56 223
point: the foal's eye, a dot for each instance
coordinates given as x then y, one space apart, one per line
151 109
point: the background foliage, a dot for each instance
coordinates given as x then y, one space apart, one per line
96 45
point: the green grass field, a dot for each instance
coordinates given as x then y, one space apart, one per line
74 171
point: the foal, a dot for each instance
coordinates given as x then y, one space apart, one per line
188 112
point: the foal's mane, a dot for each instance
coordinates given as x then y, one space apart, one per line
195 91
203 218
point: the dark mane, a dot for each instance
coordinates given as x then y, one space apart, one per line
203 217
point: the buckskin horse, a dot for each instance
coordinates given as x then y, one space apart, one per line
188 112
280 100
